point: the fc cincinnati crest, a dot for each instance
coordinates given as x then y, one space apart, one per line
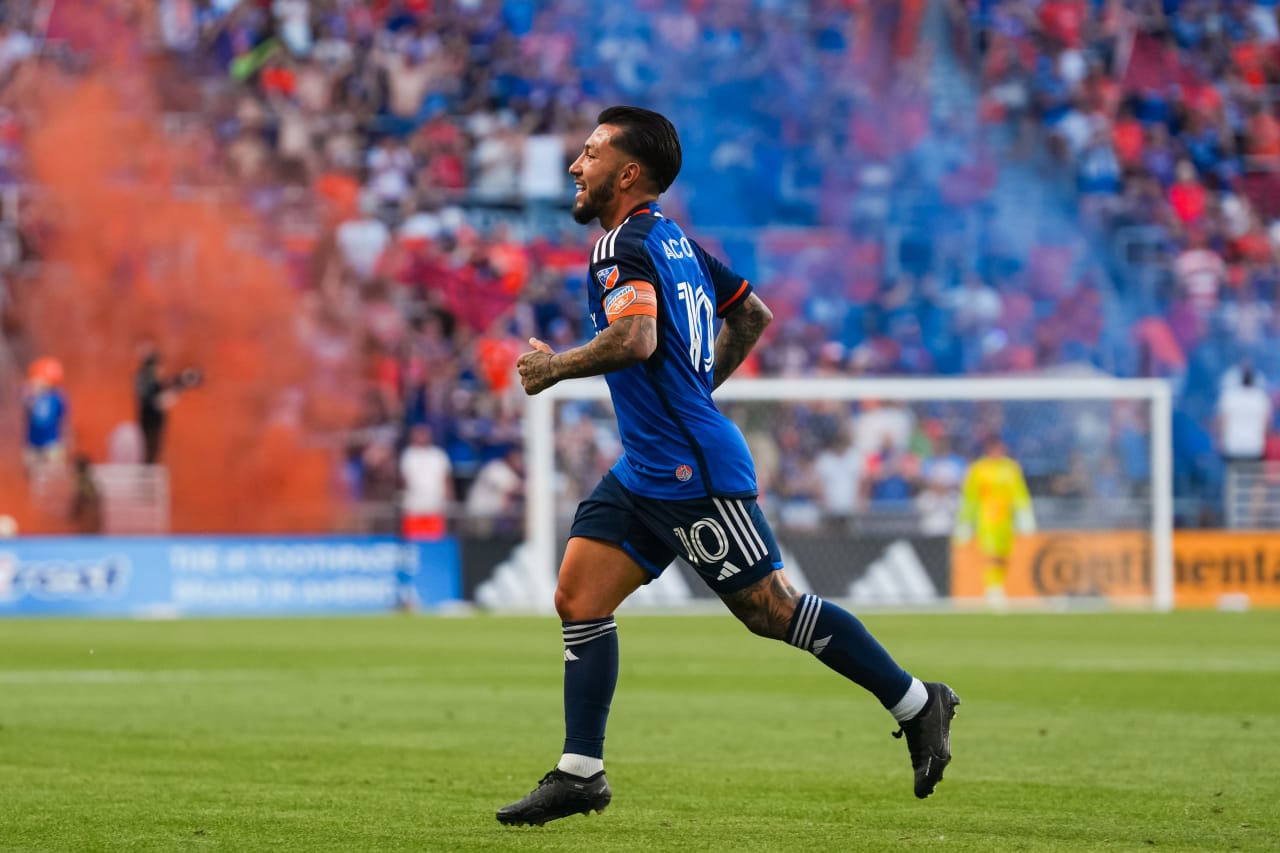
607 277
684 473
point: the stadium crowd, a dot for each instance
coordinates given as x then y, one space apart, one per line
406 161
1163 117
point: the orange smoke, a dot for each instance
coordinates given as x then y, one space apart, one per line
132 257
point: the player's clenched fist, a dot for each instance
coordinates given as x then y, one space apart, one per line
535 368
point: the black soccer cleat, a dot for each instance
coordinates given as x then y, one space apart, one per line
929 737
558 795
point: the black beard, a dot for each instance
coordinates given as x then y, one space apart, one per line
594 203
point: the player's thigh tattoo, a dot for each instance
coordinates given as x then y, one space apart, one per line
765 607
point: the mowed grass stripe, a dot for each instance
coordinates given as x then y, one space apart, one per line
1080 731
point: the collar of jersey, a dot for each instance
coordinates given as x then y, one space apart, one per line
644 207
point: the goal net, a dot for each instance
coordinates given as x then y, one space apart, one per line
862 481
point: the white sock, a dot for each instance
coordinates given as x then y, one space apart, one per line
912 702
580 765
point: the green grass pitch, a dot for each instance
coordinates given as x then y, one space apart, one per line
1110 731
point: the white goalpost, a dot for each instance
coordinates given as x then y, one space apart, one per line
1098 454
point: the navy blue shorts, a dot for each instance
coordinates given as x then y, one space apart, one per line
727 541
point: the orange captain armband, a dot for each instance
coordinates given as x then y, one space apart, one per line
635 297
732 300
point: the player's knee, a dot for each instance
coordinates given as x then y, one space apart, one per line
760 625
764 620
574 605
766 607
566 605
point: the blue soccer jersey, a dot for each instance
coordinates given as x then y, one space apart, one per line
676 443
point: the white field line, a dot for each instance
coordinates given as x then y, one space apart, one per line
181 676
1146 665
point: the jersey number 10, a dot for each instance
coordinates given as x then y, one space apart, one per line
701 313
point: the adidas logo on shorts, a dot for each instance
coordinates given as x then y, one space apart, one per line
728 571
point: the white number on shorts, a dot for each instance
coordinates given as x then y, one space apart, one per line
695 544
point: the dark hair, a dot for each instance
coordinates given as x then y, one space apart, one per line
648 137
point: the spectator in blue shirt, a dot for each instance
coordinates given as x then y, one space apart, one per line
45 408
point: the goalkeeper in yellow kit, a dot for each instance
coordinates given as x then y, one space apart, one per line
996 506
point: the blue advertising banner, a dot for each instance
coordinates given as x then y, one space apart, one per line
223 575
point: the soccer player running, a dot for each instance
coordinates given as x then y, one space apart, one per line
685 484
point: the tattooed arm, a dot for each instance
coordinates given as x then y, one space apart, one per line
624 342
742 328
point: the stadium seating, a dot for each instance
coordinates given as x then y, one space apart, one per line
955 188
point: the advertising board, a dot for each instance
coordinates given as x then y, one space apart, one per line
1212 568
216 575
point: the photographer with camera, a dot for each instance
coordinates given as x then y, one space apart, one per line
155 395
